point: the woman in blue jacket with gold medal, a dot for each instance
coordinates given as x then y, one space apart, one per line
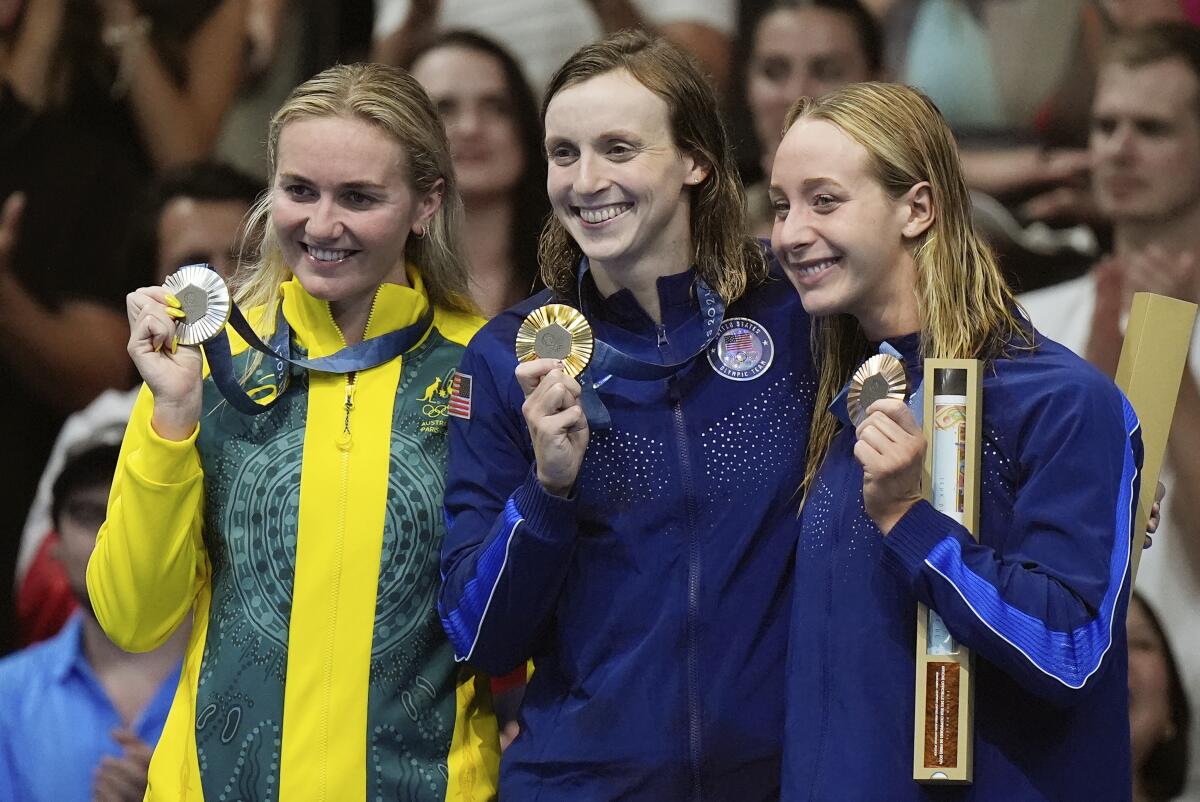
629 527
873 228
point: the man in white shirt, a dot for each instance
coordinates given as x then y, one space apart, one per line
1145 146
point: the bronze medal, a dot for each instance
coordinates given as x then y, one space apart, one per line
204 299
881 376
556 331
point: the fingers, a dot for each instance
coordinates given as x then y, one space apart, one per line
530 374
1160 493
153 329
892 416
10 219
554 391
135 748
119 780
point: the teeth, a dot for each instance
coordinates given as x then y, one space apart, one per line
323 255
603 213
812 270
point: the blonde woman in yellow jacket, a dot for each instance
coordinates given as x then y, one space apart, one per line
303 542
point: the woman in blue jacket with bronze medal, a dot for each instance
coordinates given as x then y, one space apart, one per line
873 228
620 513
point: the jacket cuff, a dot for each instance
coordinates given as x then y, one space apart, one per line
913 537
547 516
158 461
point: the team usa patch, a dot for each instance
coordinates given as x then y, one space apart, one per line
742 350
459 404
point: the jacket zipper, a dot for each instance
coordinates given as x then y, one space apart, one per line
695 744
344 442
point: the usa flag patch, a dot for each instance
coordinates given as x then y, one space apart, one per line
460 396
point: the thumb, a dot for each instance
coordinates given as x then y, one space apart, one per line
10 220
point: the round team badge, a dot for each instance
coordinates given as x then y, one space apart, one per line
742 350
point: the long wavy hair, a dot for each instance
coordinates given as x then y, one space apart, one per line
528 196
967 310
388 98
723 253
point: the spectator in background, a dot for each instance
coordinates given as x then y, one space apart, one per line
543 33
191 214
1159 713
802 48
78 716
495 139
95 95
1145 146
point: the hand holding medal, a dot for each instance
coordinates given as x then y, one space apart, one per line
890 445
553 346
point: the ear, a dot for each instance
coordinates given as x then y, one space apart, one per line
428 206
698 168
921 214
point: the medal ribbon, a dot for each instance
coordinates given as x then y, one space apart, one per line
360 356
915 401
608 361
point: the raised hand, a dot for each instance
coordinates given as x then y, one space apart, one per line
891 448
123 779
172 372
556 422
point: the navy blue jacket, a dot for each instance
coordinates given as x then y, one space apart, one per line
1041 600
654 601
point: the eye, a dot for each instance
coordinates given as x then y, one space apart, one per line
824 202
299 192
775 69
1104 125
621 151
356 199
562 154
780 207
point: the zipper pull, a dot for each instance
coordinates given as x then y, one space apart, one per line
343 441
662 335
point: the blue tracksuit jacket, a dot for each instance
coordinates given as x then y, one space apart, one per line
1040 598
653 602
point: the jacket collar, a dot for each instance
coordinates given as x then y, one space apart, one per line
312 321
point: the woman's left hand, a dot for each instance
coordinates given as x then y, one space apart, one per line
891 448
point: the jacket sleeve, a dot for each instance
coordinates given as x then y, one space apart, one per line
508 542
149 561
1045 600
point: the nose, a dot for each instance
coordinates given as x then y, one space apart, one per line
324 222
793 233
591 176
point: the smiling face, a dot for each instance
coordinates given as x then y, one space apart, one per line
841 239
798 53
476 106
616 180
342 209
1145 141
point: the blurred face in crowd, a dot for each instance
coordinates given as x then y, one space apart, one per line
1145 141
80 518
838 234
192 231
1149 685
476 105
343 208
1127 15
798 53
616 180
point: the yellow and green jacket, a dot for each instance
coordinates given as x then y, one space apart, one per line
304 542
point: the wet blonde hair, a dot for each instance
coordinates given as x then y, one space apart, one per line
723 253
966 309
389 99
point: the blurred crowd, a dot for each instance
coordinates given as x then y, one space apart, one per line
132 144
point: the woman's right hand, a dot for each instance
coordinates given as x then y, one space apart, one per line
173 373
557 425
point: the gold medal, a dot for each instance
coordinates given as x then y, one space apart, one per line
204 299
556 331
881 376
